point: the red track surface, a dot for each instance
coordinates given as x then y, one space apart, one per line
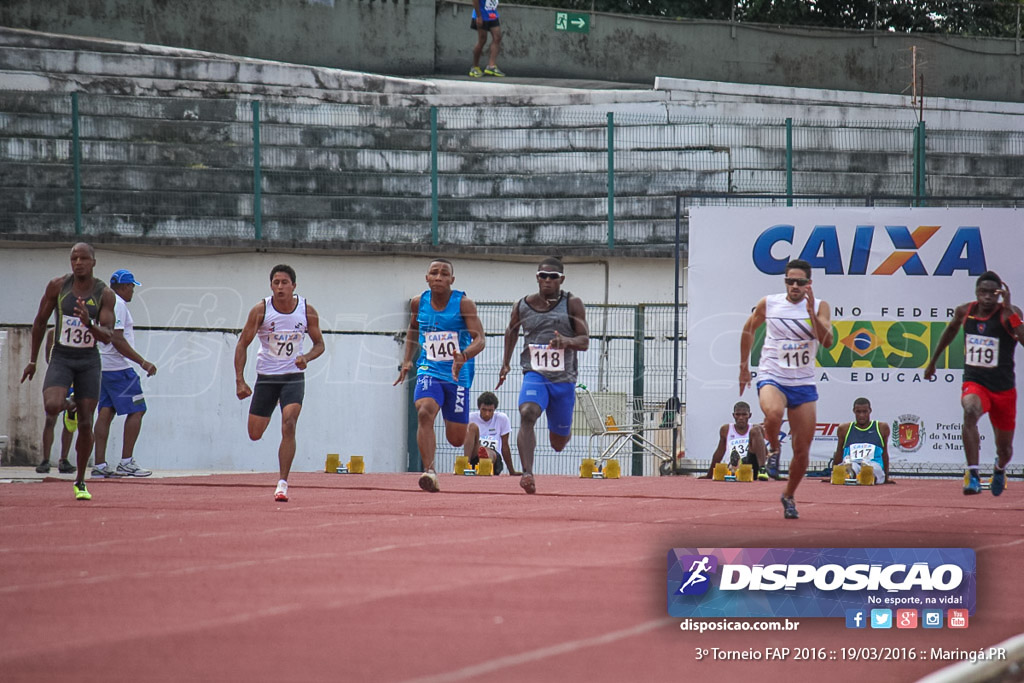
367 578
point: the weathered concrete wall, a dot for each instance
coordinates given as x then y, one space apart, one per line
395 36
193 299
624 48
418 37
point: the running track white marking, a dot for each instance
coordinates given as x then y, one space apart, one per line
542 653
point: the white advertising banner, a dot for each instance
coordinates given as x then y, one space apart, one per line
892 277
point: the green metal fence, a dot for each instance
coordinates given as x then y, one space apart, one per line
185 169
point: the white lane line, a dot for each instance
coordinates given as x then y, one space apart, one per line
567 647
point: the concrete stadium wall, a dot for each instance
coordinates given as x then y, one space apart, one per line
196 300
421 37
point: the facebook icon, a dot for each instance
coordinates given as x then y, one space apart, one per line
856 618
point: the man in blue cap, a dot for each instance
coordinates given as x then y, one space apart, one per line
120 388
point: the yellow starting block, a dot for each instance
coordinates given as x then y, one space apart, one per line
485 467
723 473
986 484
838 475
356 465
587 468
333 462
612 469
866 476
461 464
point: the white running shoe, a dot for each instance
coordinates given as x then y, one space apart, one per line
132 470
281 493
428 481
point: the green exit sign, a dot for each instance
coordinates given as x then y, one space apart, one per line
572 22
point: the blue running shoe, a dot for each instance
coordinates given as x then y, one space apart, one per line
772 465
972 484
998 482
789 508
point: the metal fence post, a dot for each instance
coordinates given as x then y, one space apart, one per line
435 236
914 180
611 180
414 463
923 176
638 385
76 163
257 178
789 162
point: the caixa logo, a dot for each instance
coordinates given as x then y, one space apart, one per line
964 251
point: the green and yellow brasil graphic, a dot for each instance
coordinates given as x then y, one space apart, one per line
905 344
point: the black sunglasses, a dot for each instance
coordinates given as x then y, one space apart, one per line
548 275
798 281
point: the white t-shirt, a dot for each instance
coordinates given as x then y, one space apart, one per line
110 357
492 430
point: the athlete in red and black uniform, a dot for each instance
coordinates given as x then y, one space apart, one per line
992 328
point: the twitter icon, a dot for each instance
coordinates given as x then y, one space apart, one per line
881 618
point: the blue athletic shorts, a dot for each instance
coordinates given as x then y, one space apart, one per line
795 395
122 391
449 395
556 399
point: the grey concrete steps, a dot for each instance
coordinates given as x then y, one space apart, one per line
200 67
356 183
347 232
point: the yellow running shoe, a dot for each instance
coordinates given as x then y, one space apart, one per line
475 72
71 420
81 493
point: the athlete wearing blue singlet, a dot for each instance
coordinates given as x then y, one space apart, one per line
554 325
485 21
864 443
795 324
444 326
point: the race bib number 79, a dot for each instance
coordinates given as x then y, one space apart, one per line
285 344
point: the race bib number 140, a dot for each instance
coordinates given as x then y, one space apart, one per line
441 346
